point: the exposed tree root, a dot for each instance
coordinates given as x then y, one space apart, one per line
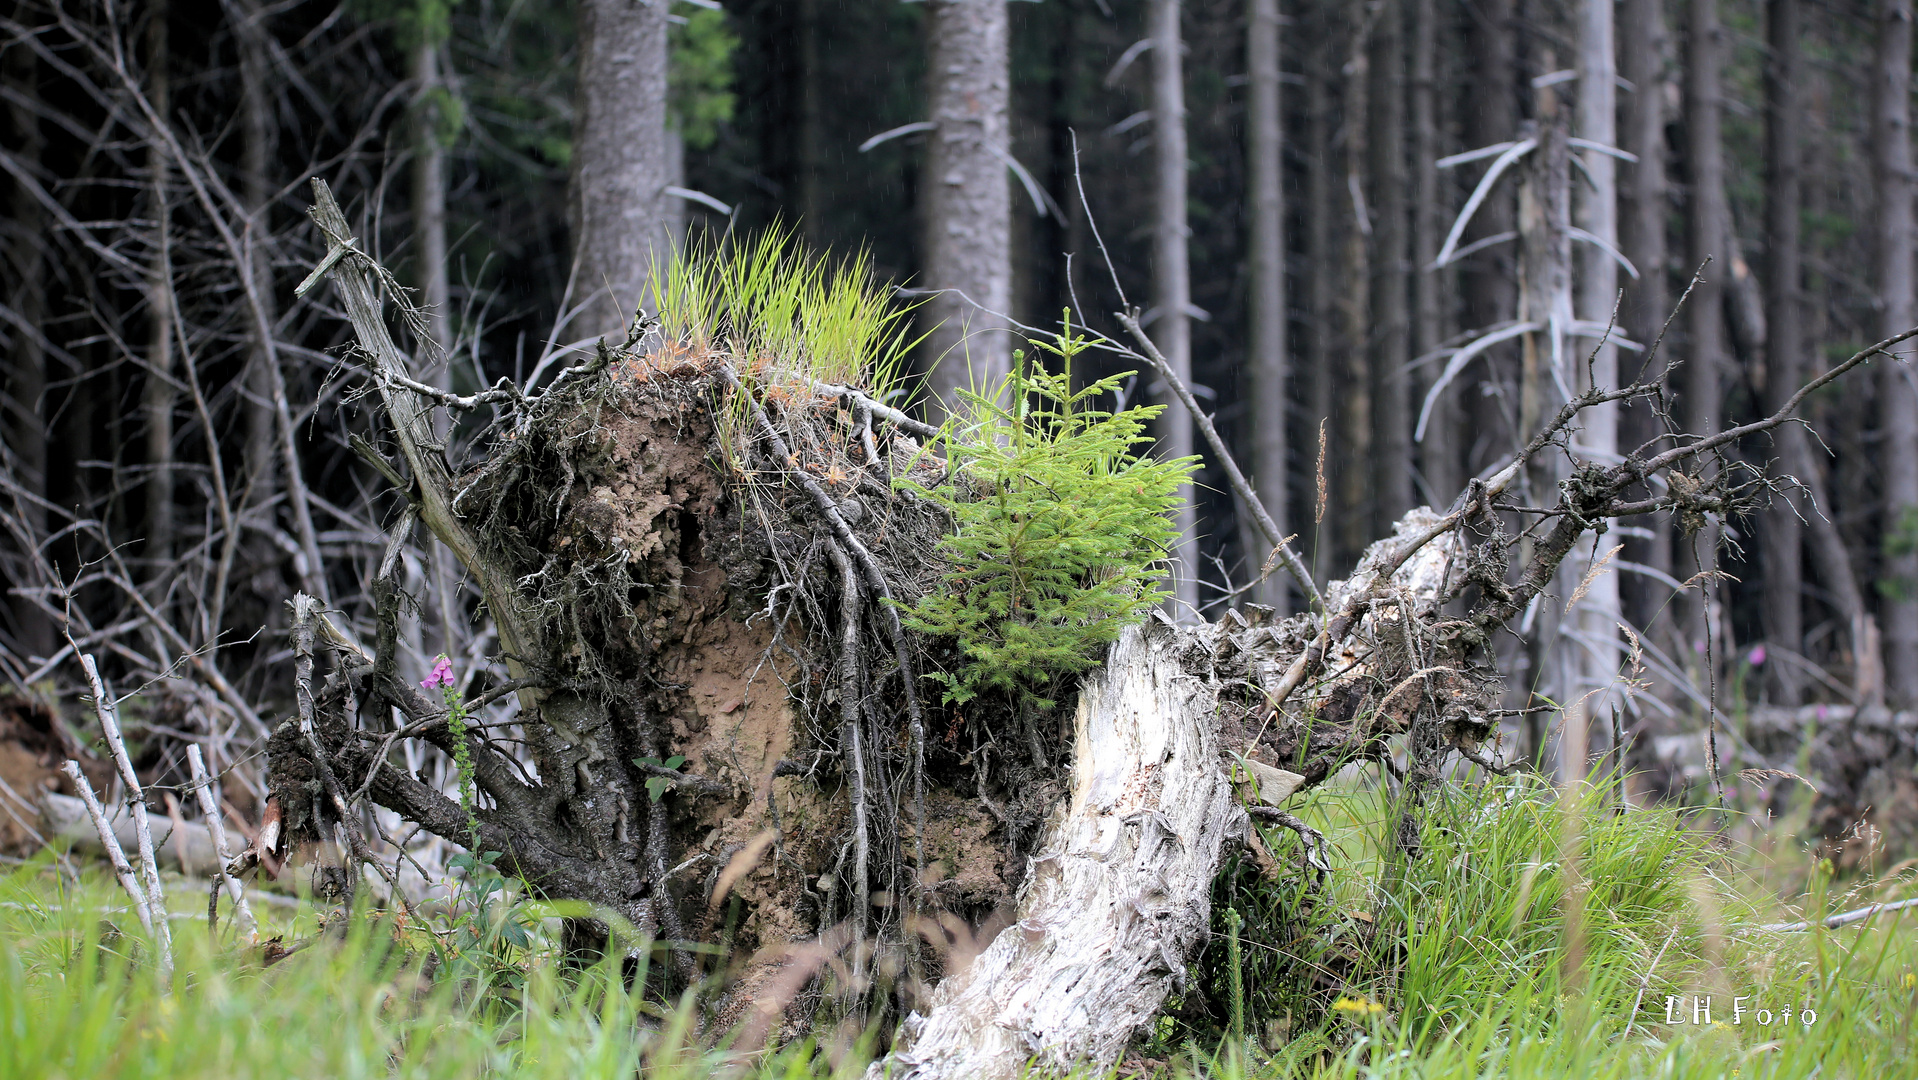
695 561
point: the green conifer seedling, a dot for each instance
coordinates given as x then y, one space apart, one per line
1062 526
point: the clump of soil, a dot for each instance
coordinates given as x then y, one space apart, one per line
686 575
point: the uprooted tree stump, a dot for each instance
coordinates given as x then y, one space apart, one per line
696 560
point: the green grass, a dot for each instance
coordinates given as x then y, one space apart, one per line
1468 975
778 312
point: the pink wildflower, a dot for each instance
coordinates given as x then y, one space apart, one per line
442 675
1757 656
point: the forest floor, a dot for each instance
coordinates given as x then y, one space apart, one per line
1463 964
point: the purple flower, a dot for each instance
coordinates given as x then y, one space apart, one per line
1757 656
442 674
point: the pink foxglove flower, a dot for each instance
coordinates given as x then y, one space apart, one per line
442 675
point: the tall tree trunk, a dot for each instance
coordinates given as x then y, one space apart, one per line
1891 172
429 199
619 160
1352 437
433 276
1439 453
1487 279
22 409
1324 198
1171 276
1269 364
1708 220
160 395
1784 584
1591 652
1393 492
256 184
1643 51
1546 356
968 199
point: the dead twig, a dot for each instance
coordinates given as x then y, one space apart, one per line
207 789
105 708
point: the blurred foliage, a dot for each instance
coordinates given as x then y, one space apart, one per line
701 76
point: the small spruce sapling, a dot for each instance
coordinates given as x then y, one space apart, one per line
1061 529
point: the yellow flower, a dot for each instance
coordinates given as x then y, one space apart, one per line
1910 980
1360 1006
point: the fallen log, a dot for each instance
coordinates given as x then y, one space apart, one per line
1116 900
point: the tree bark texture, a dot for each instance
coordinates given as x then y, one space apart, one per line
1644 47
1439 454
429 202
1393 489
1784 270
1172 277
1701 395
1322 203
1115 902
1548 359
256 185
1892 174
1588 646
1349 460
1488 279
1269 364
619 161
968 200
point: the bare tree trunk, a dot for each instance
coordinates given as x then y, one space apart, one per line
1701 394
256 183
619 160
1591 651
1644 45
1118 892
1269 364
1352 438
1891 172
1784 582
1439 459
1547 359
968 198
1323 201
22 410
1393 490
433 275
1171 277
429 200
1487 279
160 395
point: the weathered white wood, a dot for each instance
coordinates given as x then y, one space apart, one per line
1116 900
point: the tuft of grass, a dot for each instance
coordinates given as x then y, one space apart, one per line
1459 963
1463 978
78 1000
780 313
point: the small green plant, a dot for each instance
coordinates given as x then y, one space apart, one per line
442 679
656 785
1060 529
